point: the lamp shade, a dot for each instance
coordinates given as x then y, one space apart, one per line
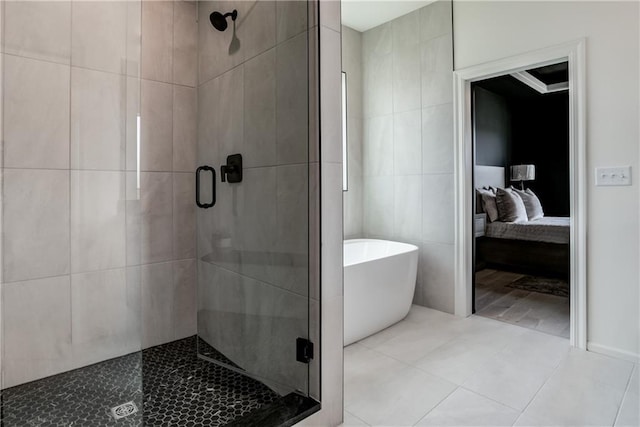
523 173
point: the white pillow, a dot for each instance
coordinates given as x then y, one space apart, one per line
510 206
489 205
531 203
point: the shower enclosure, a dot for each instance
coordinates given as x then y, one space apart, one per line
155 256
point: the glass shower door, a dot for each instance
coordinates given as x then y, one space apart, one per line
253 243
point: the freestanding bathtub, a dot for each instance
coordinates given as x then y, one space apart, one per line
379 281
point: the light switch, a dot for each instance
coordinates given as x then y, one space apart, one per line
613 176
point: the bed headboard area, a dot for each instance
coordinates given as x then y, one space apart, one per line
488 176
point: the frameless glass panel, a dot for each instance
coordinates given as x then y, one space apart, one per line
252 245
71 314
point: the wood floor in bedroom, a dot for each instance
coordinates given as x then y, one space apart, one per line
533 310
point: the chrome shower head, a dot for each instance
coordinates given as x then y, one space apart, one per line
219 21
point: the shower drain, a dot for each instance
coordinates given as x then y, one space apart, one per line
124 410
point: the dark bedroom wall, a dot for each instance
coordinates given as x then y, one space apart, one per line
513 125
540 135
492 127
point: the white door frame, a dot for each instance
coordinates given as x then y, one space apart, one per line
574 53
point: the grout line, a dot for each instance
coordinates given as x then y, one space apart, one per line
493 400
626 392
356 417
439 403
553 372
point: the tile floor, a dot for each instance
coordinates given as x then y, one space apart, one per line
435 369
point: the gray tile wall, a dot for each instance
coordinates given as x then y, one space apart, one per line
353 197
327 224
85 249
407 148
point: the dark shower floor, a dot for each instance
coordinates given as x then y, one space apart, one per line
178 389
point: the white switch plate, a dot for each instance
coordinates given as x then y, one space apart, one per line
613 176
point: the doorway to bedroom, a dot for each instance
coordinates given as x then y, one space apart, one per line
521 209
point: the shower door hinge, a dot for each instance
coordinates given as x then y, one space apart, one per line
304 350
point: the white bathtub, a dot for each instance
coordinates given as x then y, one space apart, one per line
379 281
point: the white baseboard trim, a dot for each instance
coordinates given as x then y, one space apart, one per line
613 352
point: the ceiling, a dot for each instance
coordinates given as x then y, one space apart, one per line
362 15
511 88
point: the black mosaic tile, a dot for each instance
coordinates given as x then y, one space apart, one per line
169 384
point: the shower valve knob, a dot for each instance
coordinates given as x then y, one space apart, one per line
232 171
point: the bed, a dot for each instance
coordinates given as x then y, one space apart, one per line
538 247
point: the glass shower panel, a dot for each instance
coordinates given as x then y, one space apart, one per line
253 244
71 313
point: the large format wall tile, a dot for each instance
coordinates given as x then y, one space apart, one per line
184 299
231 305
97 120
407 86
257 32
290 265
437 65
435 20
38 29
156 216
184 216
185 126
407 144
105 313
331 227
331 97
437 205
291 19
260 110
291 101
436 273
98 222
207 148
36 131
134 37
37 329
221 118
378 146
378 206
437 139
78 85
256 221
353 197
156 126
133 218
377 42
157 40
406 78
36 223
157 303
185 39
407 196
132 123
378 74
404 30
99 35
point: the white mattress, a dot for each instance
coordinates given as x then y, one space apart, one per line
547 229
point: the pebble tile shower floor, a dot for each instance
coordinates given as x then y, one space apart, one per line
173 388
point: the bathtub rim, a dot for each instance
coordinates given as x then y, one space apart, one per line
404 249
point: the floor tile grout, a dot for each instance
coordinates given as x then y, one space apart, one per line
624 395
545 373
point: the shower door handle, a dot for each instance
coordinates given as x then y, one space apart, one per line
213 187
